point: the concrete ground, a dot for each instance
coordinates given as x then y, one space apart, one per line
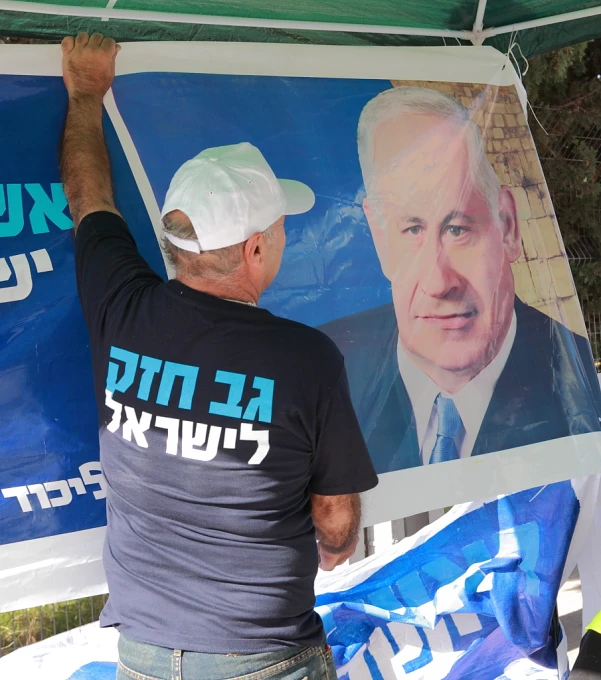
569 603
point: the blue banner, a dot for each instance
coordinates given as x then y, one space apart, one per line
485 583
433 260
49 471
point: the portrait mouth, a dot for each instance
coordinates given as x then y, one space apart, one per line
449 322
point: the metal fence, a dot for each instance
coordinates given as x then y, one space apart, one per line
24 627
593 325
557 149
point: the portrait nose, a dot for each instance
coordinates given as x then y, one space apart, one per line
437 276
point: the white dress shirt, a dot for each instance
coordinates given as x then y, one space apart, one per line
471 401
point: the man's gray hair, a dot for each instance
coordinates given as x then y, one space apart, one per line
420 100
210 264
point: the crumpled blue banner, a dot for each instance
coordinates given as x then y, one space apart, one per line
483 587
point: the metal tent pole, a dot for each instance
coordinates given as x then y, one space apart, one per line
479 23
476 36
545 21
144 15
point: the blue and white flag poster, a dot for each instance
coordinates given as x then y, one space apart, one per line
432 258
469 597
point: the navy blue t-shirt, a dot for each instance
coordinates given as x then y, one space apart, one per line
217 421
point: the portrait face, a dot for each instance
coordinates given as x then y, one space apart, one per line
445 250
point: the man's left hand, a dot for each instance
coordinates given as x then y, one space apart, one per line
89 65
329 560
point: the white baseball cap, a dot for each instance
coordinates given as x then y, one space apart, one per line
230 193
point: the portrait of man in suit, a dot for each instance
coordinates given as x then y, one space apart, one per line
457 365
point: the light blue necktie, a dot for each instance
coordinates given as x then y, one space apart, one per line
449 426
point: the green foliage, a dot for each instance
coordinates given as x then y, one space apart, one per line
587 278
565 92
31 625
549 76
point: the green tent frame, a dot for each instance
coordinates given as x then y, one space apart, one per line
536 25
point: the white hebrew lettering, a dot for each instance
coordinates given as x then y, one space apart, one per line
20 493
5 272
24 283
23 286
229 439
42 260
40 492
136 427
115 423
172 427
192 439
87 471
77 485
65 492
261 437
91 473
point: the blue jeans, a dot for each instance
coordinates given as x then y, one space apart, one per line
139 661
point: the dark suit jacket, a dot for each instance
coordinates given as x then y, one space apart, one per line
548 388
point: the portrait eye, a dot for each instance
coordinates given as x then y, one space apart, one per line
455 231
414 230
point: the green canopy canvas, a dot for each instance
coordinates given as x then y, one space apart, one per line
536 25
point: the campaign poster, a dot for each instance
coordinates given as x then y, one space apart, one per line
432 258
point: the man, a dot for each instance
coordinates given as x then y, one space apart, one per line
457 365
227 435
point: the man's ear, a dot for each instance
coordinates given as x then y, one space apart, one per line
510 224
254 250
378 234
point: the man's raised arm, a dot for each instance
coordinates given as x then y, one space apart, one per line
88 72
337 520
